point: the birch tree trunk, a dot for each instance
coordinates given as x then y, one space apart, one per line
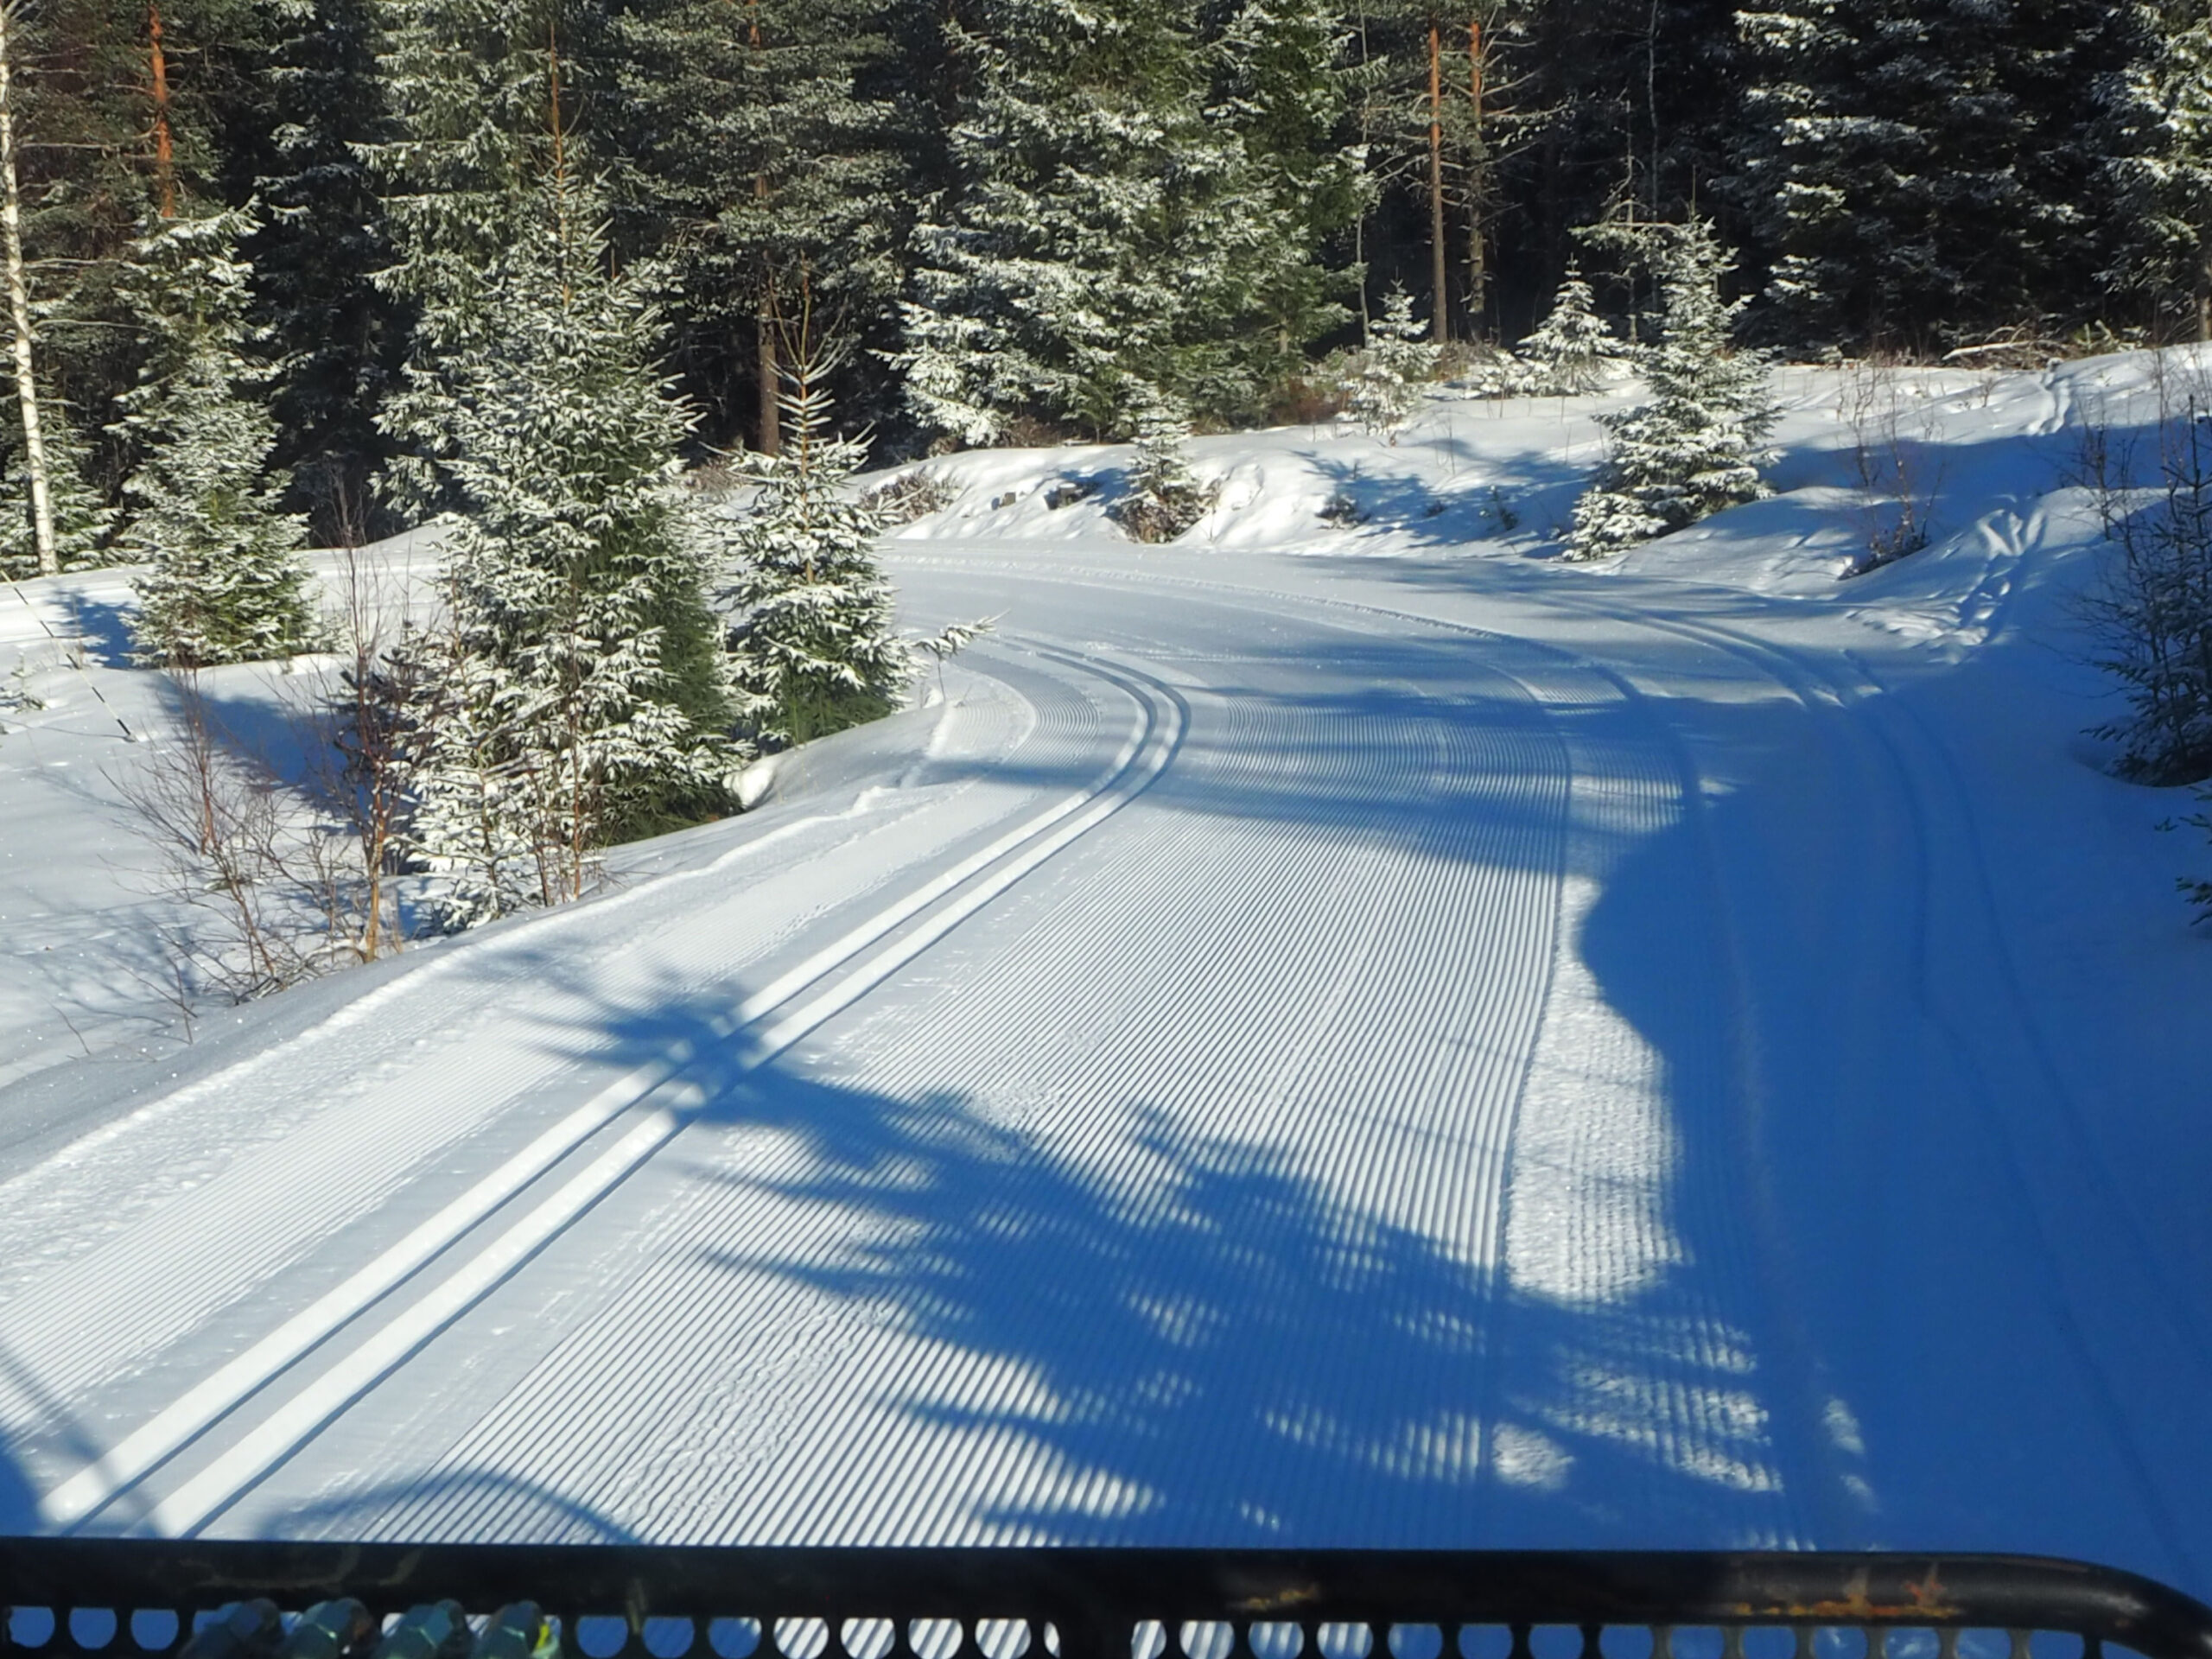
19 308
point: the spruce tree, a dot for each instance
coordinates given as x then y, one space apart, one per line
1696 444
1386 387
585 698
82 518
227 583
468 88
1105 222
1165 496
755 145
2163 163
1567 353
814 651
1924 170
338 339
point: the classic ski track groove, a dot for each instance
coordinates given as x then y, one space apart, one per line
1684 1427
654 1312
144 1449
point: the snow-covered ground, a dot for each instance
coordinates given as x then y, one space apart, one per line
1327 1033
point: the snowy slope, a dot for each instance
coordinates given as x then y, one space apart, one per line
1324 1034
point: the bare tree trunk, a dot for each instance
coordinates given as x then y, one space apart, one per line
1477 186
164 157
1439 274
771 410
19 309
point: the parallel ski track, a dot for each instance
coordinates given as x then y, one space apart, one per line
1201 1010
862 955
64 1209
871 1489
1707 1190
276 1209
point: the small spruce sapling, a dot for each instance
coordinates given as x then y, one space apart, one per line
814 649
227 583
1165 498
82 520
1385 391
1569 353
1696 444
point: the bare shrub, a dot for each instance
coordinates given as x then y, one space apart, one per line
270 891
1896 459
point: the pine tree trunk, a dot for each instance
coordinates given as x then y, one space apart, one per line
2204 297
19 310
1478 180
158 74
1439 274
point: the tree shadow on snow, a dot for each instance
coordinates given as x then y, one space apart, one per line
1216 1346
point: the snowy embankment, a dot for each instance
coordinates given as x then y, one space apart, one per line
1328 1033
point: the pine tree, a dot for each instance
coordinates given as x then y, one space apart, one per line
814 651
585 695
1567 353
227 583
1165 498
1694 446
1386 387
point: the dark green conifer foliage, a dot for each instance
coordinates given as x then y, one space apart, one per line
759 149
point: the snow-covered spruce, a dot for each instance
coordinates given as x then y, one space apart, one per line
82 521
813 651
1127 199
1697 443
1384 388
1570 351
226 583
1165 498
576 691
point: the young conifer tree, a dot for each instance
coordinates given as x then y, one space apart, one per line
815 650
1696 444
1166 498
227 583
1399 359
579 692
82 519
1567 353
